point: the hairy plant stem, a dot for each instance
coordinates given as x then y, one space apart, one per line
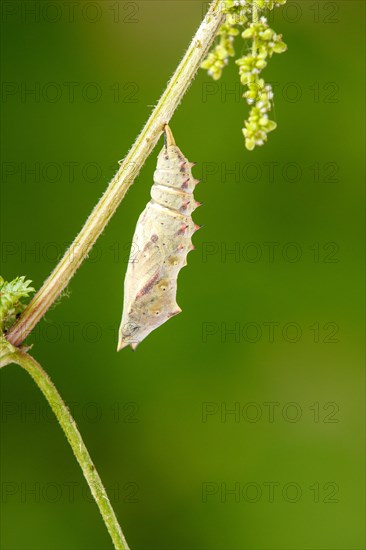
123 179
72 433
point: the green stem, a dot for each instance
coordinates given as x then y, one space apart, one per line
68 425
254 20
124 178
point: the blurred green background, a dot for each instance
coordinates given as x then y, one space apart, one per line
284 470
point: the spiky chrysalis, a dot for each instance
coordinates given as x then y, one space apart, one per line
161 243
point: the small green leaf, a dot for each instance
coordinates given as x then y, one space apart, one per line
11 300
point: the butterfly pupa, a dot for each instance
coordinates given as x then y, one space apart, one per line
162 240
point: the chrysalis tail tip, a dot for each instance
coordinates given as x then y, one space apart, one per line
169 139
122 344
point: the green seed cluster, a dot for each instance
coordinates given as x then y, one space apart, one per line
236 13
264 43
219 57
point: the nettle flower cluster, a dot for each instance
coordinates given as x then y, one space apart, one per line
247 16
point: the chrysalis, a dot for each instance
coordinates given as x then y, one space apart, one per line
162 239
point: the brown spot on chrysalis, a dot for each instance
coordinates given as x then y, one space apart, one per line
163 285
183 228
148 286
